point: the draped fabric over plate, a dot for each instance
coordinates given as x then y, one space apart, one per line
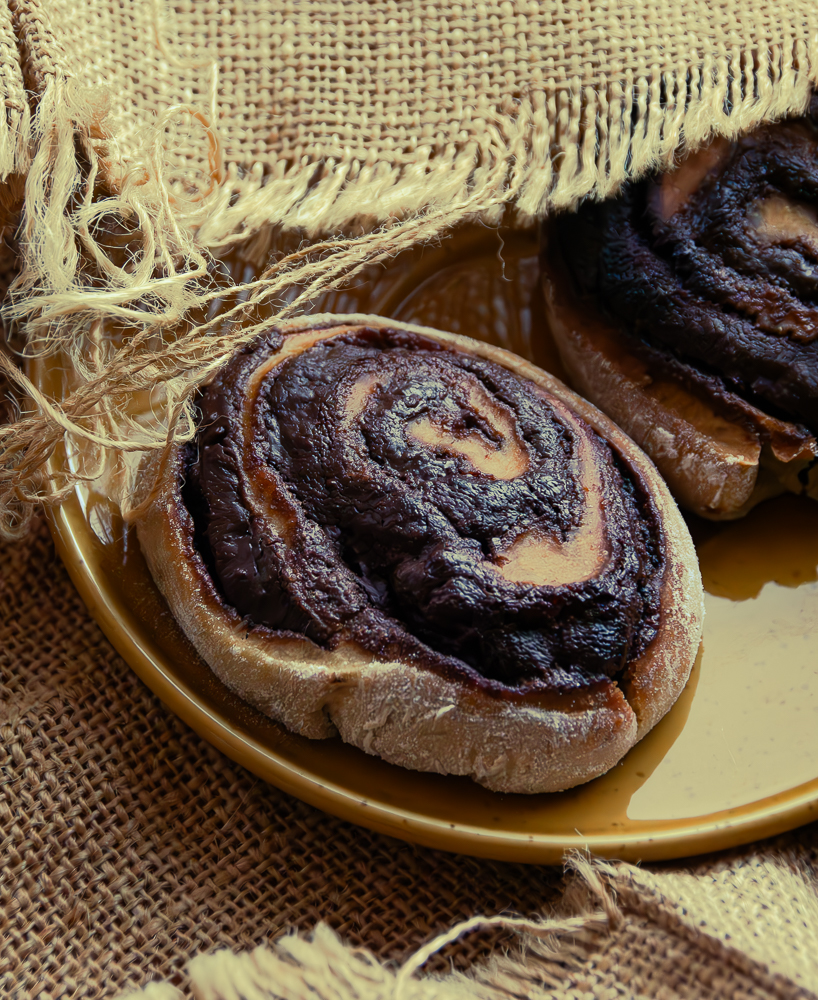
192 127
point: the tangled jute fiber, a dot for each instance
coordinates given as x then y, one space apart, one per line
132 852
363 127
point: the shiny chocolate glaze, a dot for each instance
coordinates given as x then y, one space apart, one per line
712 273
427 504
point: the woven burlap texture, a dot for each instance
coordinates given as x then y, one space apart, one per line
15 121
327 111
749 931
128 846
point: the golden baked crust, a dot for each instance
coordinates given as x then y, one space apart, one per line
412 716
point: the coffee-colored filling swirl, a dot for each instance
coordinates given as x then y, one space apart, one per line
712 270
425 504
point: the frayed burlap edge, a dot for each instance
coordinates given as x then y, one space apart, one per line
578 142
617 913
537 159
15 120
61 311
586 147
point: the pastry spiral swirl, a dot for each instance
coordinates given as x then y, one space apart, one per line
372 493
713 272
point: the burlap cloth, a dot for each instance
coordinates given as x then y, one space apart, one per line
317 113
128 844
196 125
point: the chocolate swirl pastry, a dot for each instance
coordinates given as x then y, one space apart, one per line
687 309
430 547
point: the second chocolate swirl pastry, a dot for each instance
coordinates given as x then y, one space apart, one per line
430 547
687 309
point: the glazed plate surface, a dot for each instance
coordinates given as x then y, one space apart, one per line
735 760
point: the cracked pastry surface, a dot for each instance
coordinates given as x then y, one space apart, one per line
403 537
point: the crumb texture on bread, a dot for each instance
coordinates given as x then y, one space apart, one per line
419 625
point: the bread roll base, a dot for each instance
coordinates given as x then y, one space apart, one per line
412 716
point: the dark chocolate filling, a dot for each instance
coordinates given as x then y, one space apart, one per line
386 490
711 286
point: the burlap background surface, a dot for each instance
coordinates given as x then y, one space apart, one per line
128 845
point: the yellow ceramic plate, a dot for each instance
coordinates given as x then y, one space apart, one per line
735 760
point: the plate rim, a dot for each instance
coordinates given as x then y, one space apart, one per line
773 815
